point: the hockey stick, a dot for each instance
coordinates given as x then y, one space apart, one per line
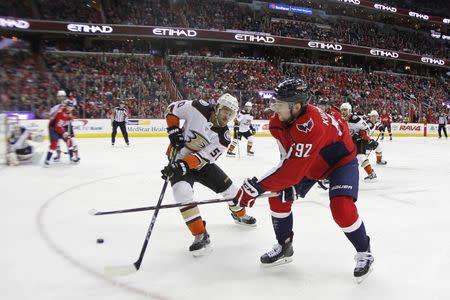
321 185
95 212
128 269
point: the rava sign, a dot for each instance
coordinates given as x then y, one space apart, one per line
357 2
254 38
14 23
434 61
89 28
175 32
384 53
385 7
327 46
417 15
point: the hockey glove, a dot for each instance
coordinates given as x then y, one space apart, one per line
176 169
252 130
288 195
372 144
176 137
247 193
236 132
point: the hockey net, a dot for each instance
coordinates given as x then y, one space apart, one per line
3 139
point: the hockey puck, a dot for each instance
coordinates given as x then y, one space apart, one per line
100 241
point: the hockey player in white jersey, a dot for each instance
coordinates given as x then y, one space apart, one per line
359 130
18 148
374 124
200 142
243 128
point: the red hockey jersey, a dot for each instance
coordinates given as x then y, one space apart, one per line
386 119
59 120
312 146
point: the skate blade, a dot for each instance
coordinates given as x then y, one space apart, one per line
282 261
371 180
245 224
202 252
360 279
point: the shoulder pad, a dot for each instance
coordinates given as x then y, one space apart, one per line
224 135
203 107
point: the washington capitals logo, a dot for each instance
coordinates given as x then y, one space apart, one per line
306 127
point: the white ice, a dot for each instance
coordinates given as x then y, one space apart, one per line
49 248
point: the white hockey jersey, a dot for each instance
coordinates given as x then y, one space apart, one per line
373 127
18 138
202 138
244 120
357 124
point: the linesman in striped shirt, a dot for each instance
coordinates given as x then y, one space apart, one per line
119 118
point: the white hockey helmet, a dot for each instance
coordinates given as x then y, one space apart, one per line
346 109
248 104
373 113
232 105
61 93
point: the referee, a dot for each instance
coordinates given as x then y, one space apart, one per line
443 119
119 118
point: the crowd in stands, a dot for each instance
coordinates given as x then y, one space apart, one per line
225 15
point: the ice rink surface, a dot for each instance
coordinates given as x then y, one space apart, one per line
49 248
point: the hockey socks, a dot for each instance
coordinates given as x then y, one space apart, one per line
346 216
282 228
193 219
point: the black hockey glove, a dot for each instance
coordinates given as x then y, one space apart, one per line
236 132
372 145
176 169
288 195
176 137
252 130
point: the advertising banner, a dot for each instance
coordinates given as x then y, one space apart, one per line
96 128
25 25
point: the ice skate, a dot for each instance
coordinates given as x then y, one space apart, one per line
200 246
245 220
230 154
381 162
363 266
279 254
75 160
250 153
371 178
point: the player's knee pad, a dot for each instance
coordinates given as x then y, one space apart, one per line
250 139
344 211
182 192
279 209
379 149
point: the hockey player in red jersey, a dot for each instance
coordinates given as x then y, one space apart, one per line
58 130
386 120
313 146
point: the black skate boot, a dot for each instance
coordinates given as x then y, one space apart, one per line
200 246
381 162
230 154
250 153
279 254
363 267
245 220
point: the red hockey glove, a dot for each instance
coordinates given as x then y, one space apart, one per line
249 190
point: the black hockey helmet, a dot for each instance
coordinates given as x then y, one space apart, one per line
323 101
293 90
